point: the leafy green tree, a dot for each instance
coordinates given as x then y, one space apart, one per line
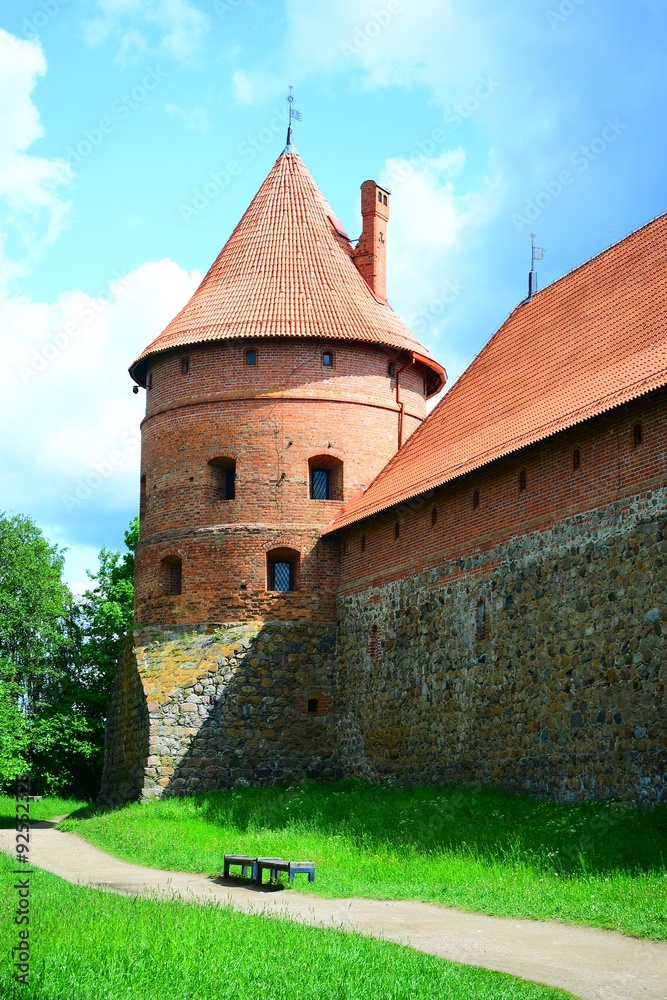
34 606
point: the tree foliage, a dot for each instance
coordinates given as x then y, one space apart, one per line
57 658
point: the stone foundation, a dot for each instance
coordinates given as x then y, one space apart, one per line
216 706
560 691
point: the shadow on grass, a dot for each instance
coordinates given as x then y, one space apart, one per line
489 823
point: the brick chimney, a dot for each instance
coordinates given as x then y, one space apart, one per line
370 255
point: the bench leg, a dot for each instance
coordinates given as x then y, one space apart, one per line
256 876
225 870
311 876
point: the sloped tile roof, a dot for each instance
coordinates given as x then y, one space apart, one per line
287 271
592 340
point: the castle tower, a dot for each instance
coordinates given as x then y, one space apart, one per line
276 395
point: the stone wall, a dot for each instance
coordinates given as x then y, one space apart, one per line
213 706
538 663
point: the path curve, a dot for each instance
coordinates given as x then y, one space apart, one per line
590 963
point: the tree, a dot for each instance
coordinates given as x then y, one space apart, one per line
34 606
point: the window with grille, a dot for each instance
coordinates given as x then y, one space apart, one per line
282 570
319 486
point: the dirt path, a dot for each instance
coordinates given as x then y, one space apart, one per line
591 964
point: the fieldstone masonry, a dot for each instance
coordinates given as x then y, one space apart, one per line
215 706
565 693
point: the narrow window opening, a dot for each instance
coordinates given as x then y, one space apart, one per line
637 435
576 460
434 517
312 705
185 365
149 381
327 359
397 531
282 568
480 621
380 196
363 543
384 199
391 370
251 357
222 480
325 478
171 576
522 480
475 500
375 643
142 499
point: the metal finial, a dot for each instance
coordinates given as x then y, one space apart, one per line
294 115
536 253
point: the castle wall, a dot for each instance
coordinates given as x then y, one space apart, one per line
220 705
522 642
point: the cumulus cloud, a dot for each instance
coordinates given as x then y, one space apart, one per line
172 28
31 200
66 387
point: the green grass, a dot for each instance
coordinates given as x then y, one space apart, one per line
601 864
39 811
88 944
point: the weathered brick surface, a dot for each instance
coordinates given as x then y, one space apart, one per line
271 419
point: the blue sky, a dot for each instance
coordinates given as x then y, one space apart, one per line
135 133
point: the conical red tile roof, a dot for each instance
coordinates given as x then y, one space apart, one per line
286 271
593 340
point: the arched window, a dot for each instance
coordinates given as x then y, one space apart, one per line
282 570
313 705
475 500
170 576
326 478
222 478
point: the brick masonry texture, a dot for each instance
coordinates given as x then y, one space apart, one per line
218 706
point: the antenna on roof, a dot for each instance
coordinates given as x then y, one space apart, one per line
294 115
537 253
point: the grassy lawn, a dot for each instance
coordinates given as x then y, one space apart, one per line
39 811
479 849
85 943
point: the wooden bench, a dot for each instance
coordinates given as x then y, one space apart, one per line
275 865
246 863
257 866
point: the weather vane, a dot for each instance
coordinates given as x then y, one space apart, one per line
294 115
537 253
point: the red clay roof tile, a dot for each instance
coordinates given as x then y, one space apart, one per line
286 271
592 340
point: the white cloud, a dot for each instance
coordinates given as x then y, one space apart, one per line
173 28
196 120
66 387
434 215
243 87
33 210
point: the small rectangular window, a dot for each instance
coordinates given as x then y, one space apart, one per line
523 480
327 359
637 435
185 365
576 460
230 482
251 357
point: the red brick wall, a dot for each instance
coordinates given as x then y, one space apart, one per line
611 468
271 418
